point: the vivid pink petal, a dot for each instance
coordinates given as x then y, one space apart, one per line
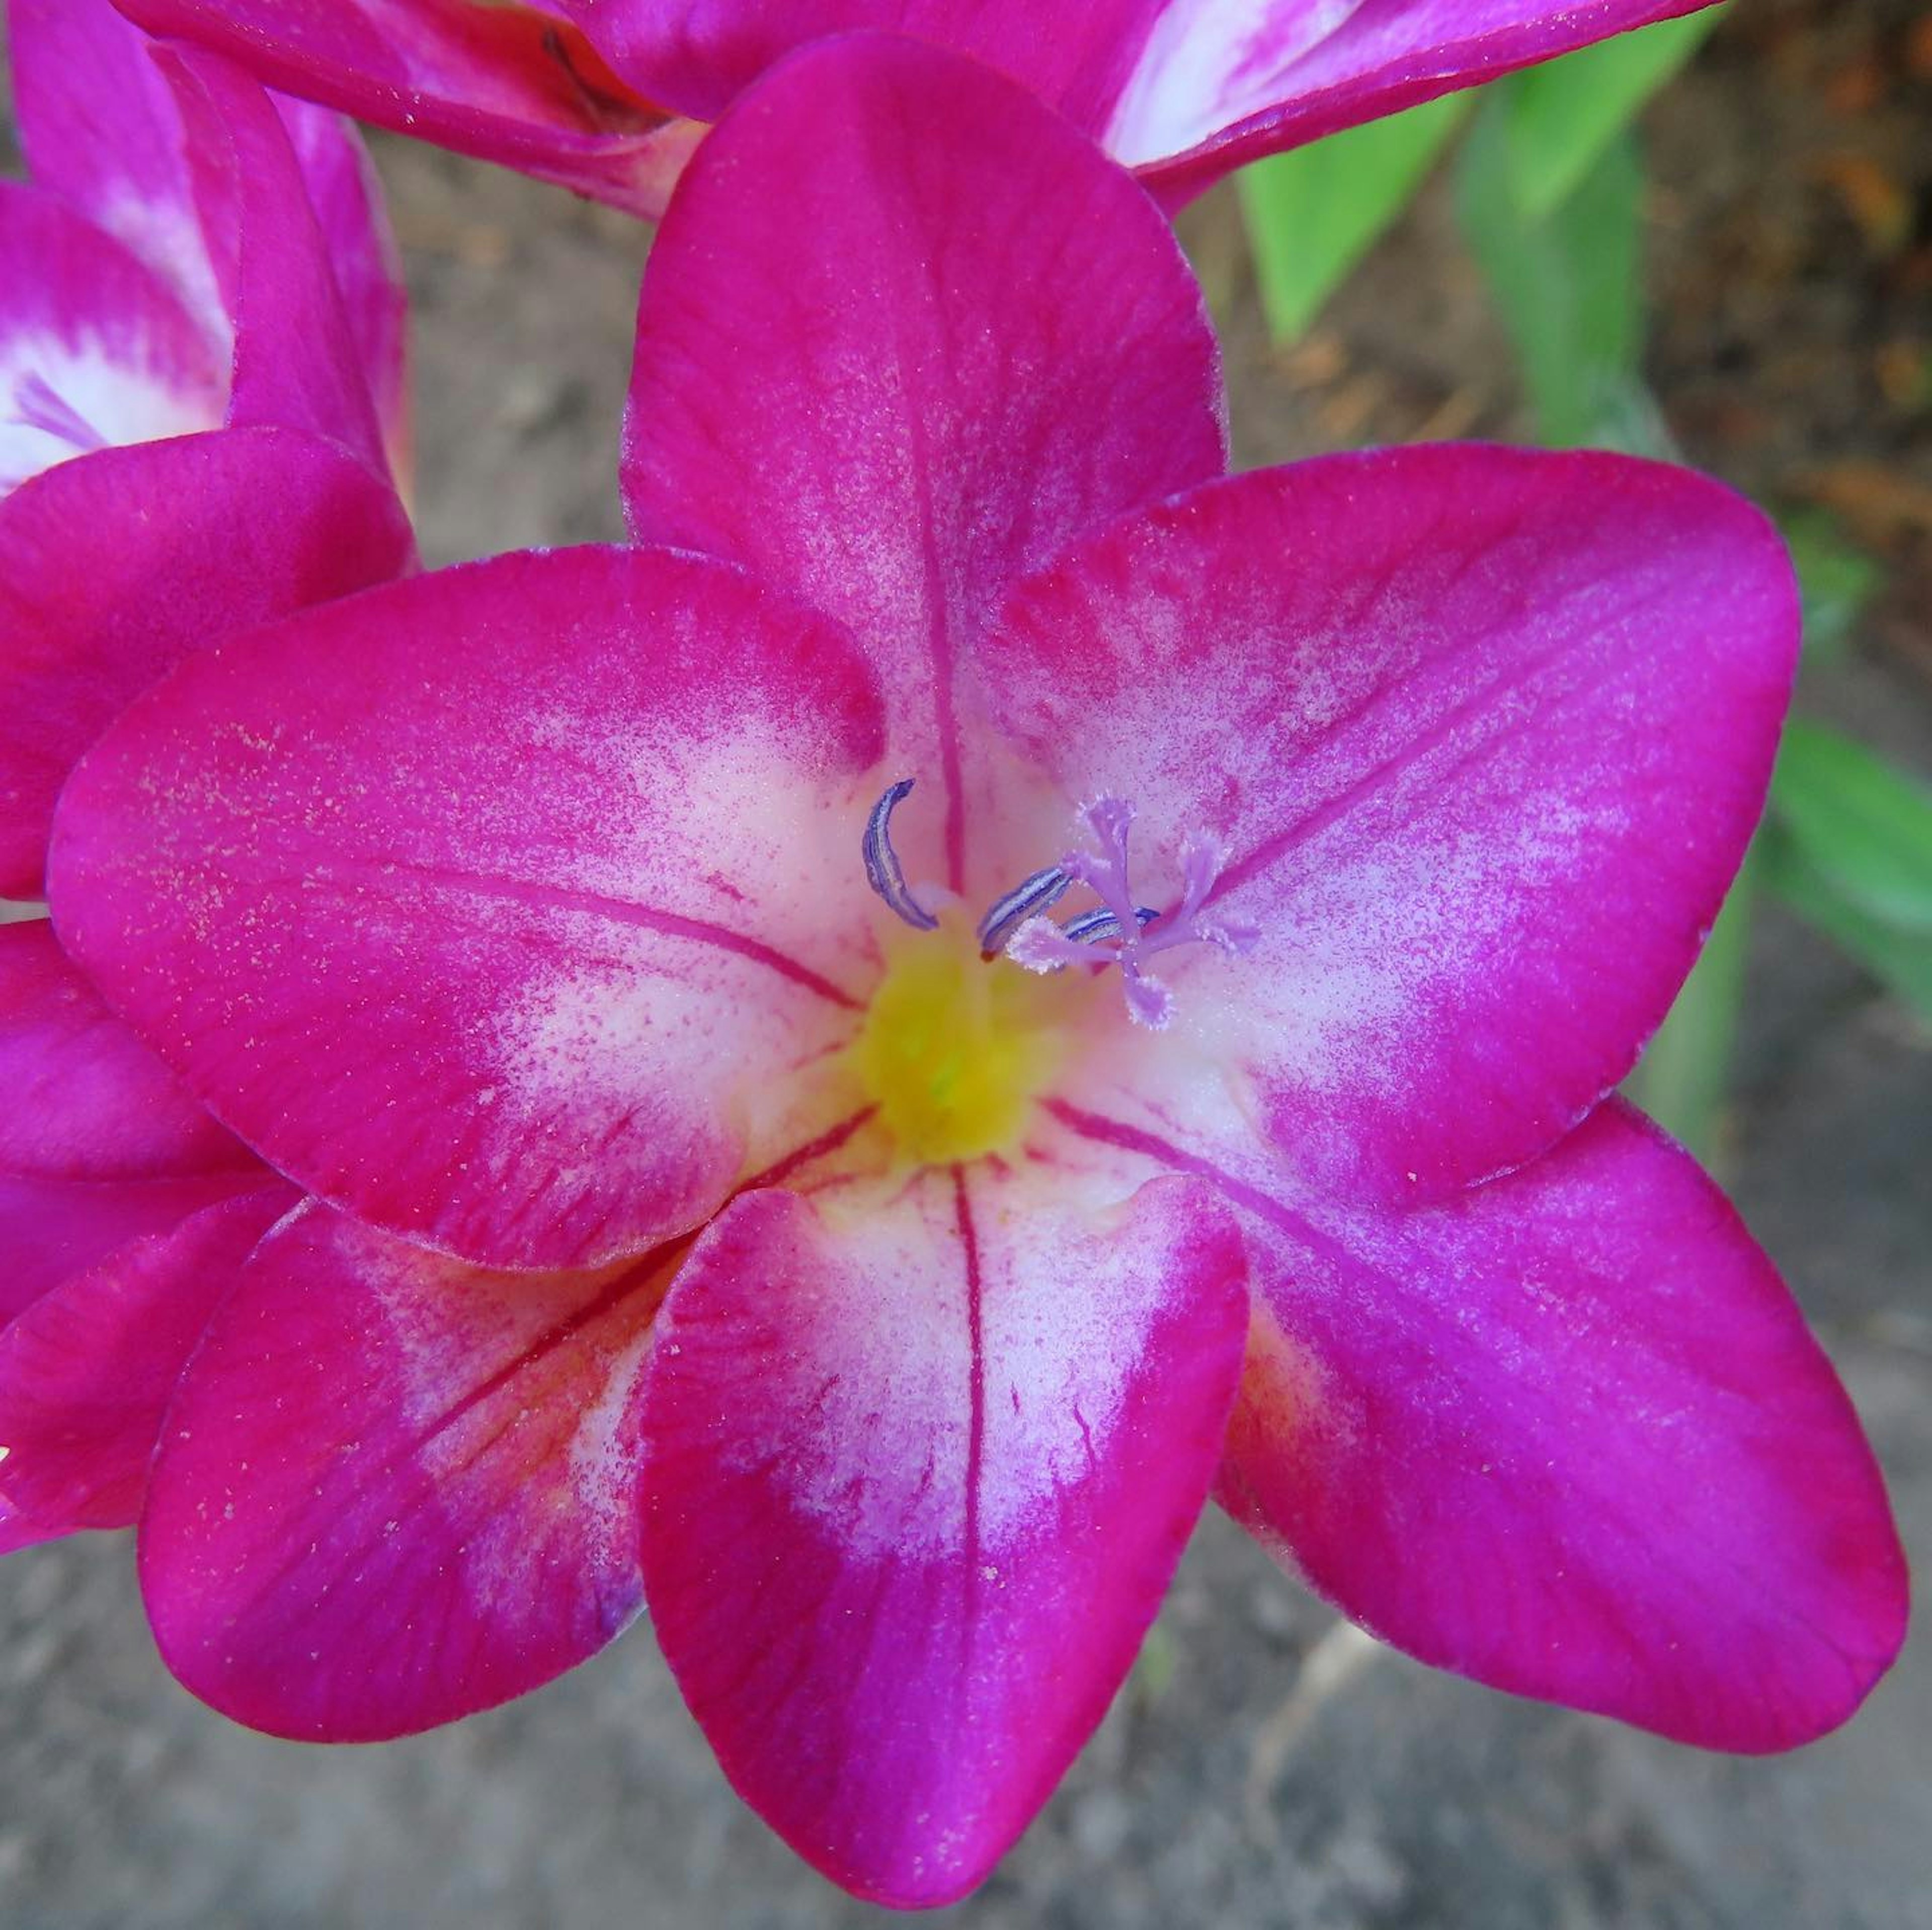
392 1489
920 1459
87 1369
85 1099
115 567
52 1228
957 340
99 127
298 362
345 196
94 348
1482 733
506 905
696 56
1568 1434
1217 85
506 83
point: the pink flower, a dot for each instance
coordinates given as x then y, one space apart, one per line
171 201
200 336
609 96
713 1211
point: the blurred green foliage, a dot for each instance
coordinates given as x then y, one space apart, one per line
1567 282
1312 214
1561 118
1836 581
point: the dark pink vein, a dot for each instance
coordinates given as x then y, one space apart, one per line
618 911
638 1275
939 648
1105 1132
1367 782
829 1141
976 1437
930 300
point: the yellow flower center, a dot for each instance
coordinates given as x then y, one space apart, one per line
954 1051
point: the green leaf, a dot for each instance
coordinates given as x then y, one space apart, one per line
1562 116
1683 1081
1567 284
1899 957
1837 581
1864 827
1313 213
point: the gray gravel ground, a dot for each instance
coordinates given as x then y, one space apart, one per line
1263 1768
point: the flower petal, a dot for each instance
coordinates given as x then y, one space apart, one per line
297 363
94 348
100 128
957 340
920 1460
504 83
346 196
1484 733
393 1490
52 1228
1218 86
1566 1434
101 592
86 1370
699 55
499 905
86 1098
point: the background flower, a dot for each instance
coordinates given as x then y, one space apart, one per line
590 92
198 414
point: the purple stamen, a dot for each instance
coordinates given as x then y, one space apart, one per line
1029 896
882 870
36 406
1120 931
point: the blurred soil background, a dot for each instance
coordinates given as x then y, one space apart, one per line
1265 1767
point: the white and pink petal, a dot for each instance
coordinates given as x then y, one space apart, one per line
101 128
511 907
392 1489
1218 85
1481 734
920 1458
960 339
1567 1433
95 348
